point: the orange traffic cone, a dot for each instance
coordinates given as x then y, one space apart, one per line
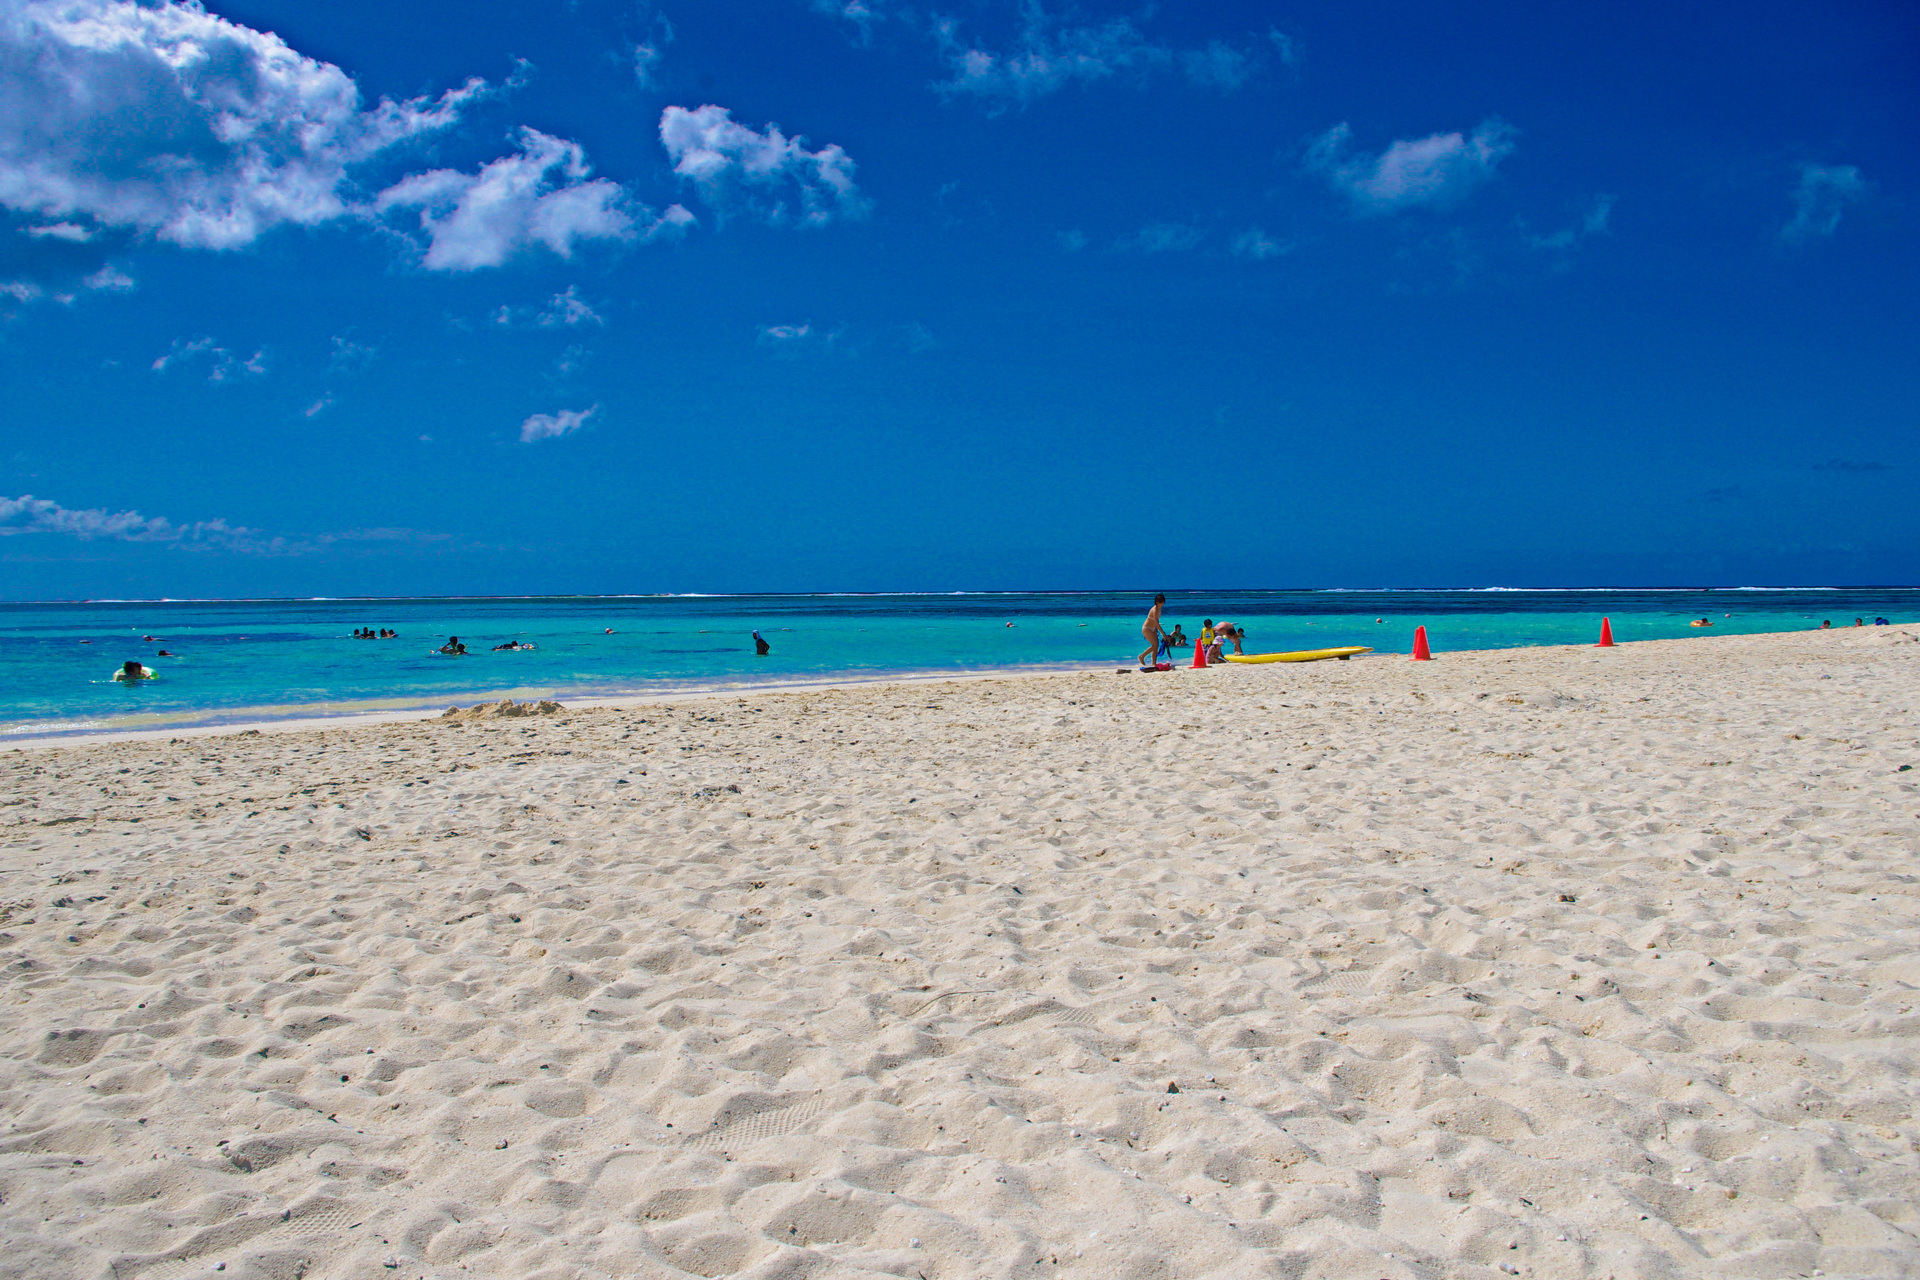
1606 634
1420 651
1199 654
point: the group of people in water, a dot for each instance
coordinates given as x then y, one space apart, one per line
454 649
1163 645
368 633
1826 624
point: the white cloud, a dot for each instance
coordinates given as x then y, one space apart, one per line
72 232
782 333
567 309
1823 194
317 407
564 310
1073 241
28 514
1258 245
1048 57
861 13
1438 170
223 365
541 195
111 279
1050 54
173 122
767 173
551 426
1592 223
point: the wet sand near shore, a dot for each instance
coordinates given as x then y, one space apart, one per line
1550 962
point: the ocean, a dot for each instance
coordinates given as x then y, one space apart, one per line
253 660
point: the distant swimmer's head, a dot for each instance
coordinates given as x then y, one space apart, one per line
132 671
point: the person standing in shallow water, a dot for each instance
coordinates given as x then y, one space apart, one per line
760 646
1150 629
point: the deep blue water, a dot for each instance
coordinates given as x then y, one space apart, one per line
266 659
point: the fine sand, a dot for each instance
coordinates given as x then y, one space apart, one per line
1549 962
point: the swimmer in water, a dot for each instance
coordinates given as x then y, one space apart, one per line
760 647
452 647
132 673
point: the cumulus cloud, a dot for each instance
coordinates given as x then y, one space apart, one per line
166 120
1592 223
1438 170
766 173
551 426
541 195
1825 190
222 364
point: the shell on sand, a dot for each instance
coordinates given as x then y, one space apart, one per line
1551 962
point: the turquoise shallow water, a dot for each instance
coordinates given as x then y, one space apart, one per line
262 660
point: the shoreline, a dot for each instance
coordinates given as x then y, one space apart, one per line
351 720
411 715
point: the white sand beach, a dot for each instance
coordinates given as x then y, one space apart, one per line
1549 962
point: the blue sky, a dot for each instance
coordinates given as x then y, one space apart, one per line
864 295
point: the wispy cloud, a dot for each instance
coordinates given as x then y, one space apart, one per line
1591 223
1822 195
349 356
1220 66
808 339
27 514
1258 245
1162 237
1048 56
222 364
1439 170
552 426
564 310
862 14
218 132
541 195
763 172
71 232
1052 53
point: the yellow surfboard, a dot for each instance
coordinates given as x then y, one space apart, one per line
1302 655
